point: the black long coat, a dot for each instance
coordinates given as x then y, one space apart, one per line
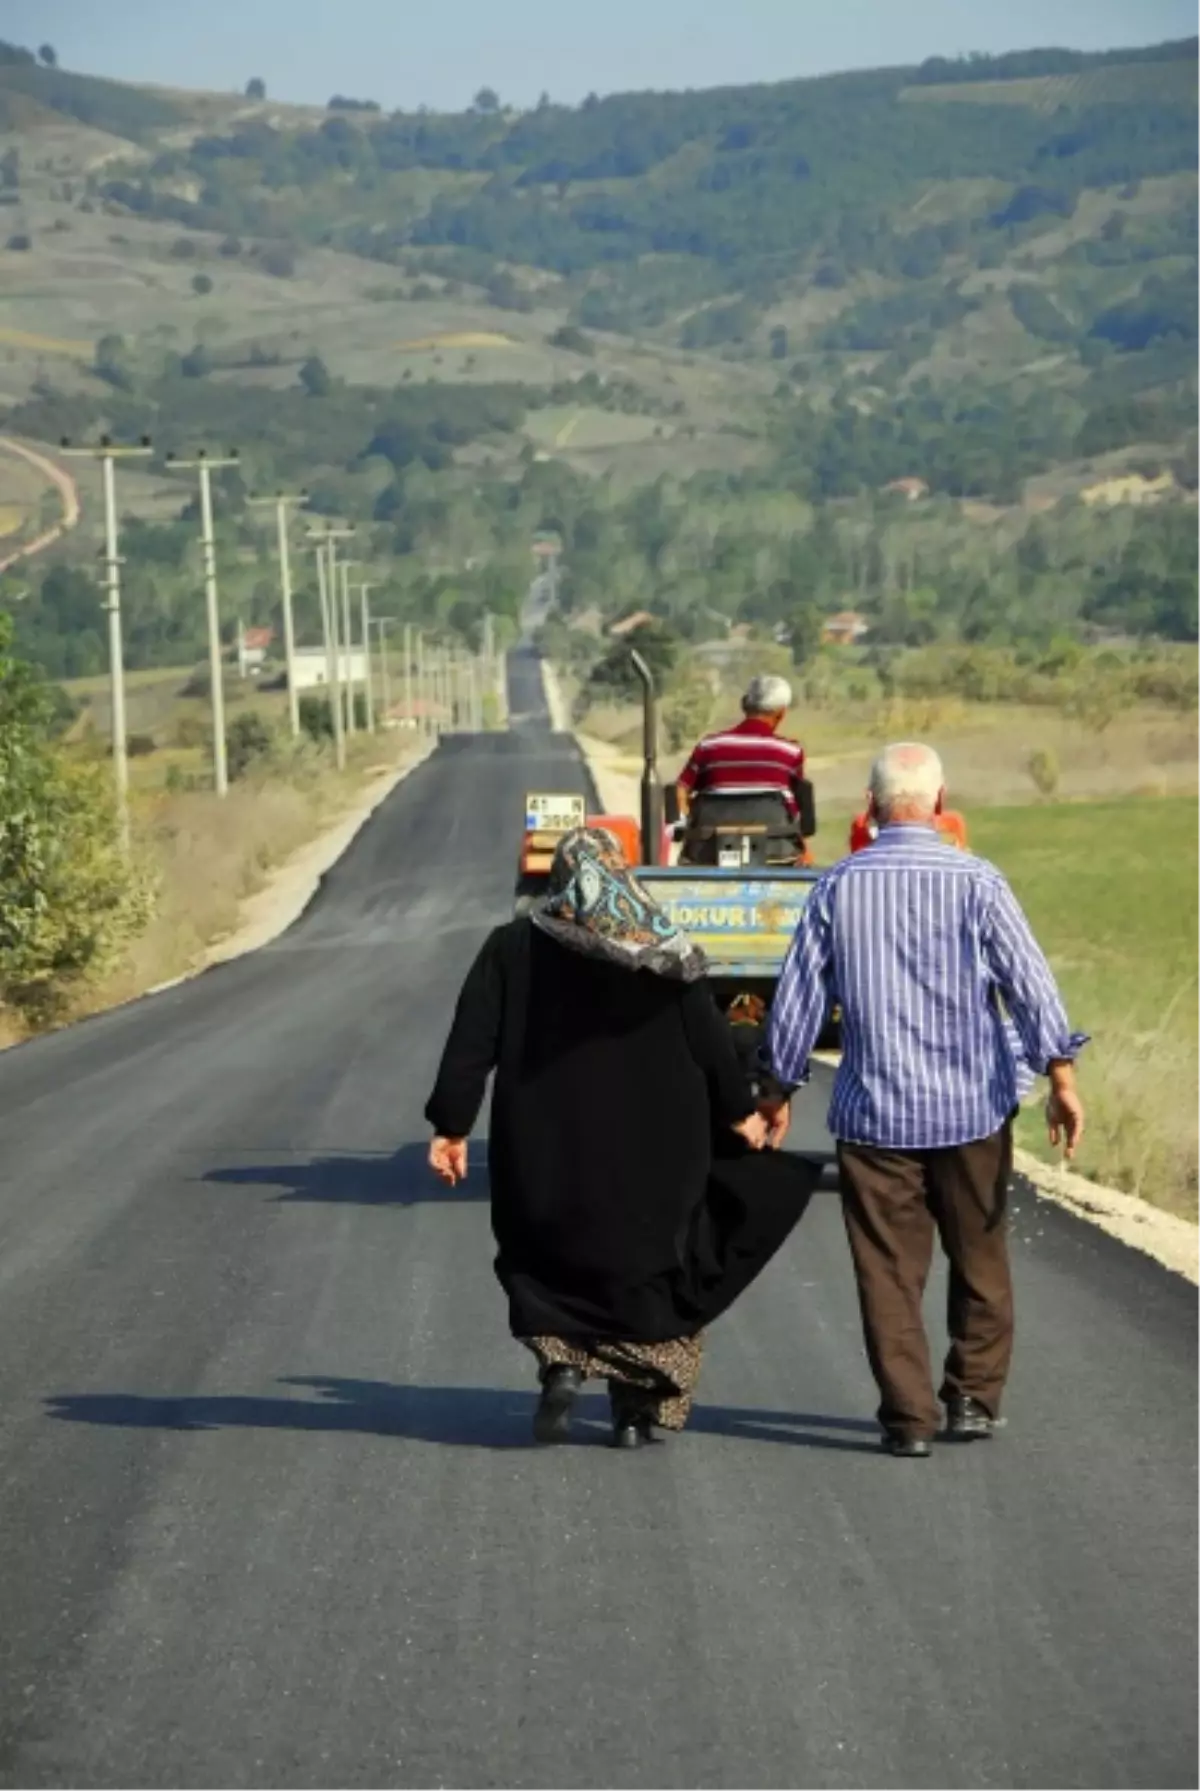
611 1216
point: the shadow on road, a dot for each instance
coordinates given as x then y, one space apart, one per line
477 1417
403 1179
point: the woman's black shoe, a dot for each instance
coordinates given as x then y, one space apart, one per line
552 1420
632 1415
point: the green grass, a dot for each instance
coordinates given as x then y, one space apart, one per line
1110 889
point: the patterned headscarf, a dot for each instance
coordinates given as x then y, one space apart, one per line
594 906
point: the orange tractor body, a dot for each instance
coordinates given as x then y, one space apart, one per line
950 825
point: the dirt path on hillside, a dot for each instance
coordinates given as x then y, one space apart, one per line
67 490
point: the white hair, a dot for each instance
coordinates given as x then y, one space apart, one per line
767 695
907 776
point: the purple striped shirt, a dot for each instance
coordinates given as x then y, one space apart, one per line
926 950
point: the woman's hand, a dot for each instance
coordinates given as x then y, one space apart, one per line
752 1131
448 1160
778 1116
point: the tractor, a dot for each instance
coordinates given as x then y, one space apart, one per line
742 909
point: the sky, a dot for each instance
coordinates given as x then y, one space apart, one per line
440 52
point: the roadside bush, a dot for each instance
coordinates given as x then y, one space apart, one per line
316 716
69 901
1043 771
247 739
139 746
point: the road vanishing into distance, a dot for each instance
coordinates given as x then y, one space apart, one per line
269 1513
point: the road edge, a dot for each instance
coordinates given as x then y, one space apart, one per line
267 914
1174 1243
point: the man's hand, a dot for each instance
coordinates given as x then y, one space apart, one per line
752 1131
1064 1110
448 1160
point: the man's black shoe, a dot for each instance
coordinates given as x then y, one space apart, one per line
966 1419
895 1442
552 1420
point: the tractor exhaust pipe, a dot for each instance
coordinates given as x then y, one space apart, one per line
652 791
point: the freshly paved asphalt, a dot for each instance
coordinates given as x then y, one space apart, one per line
269 1515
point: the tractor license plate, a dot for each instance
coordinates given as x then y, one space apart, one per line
729 858
554 814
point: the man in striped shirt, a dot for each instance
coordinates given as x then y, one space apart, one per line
753 758
937 973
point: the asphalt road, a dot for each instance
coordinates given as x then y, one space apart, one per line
269 1516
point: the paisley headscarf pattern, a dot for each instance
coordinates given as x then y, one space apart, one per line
593 905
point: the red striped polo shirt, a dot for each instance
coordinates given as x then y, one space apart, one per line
749 760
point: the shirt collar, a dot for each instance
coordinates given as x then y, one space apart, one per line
901 832
753 724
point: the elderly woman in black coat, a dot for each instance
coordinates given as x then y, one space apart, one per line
632 1197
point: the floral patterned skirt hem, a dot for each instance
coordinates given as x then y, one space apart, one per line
669 1371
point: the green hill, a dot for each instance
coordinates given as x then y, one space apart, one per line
779 299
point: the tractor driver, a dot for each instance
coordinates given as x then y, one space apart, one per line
751 761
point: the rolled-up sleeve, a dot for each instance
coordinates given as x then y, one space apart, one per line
689 777
805 993
1026 984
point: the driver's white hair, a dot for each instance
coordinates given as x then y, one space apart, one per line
907 775
767 695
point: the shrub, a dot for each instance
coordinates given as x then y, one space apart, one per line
139 746
1043 771
20 241
247 739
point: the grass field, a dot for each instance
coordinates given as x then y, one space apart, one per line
1110 889
36 344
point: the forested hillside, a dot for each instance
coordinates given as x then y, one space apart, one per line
700 334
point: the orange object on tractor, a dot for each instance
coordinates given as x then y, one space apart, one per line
949 824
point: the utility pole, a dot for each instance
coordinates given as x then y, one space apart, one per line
408 689
326 541
328 631
381 625
204 465
347 646
364 596
281 500
106 453
422 689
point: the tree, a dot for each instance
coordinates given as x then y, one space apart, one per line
315 378
256 88
280 261
196 363
48 55
10 169
779 343
20 242
202 285
113 362
487 101
68 900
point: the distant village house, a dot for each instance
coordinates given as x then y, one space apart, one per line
312 669
845 629
253 645
911 489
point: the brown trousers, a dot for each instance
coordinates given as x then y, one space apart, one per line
892 1202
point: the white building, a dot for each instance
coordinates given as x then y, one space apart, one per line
312 667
